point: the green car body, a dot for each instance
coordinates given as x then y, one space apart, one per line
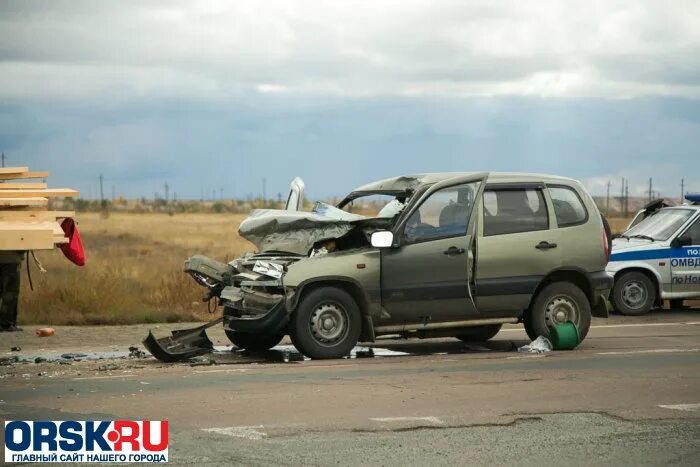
465 253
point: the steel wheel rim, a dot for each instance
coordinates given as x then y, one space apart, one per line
559 310
634 294
329 324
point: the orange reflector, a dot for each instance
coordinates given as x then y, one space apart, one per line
662 263
360 265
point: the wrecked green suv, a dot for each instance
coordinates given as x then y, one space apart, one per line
449 254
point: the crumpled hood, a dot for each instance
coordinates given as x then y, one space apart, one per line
292 231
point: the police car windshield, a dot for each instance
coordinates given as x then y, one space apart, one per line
661 225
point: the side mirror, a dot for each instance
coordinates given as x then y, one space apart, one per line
680 242
382 239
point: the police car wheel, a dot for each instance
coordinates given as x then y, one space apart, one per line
556 304
633 294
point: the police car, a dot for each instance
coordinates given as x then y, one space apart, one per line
657 259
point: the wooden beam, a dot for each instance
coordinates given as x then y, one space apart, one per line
12 202
13 170
29 216
12 176
27 240
50 192
22 186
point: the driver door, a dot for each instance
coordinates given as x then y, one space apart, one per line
427 277
685 262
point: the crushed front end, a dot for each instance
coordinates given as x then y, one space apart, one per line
249 289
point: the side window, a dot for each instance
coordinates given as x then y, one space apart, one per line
517 210
693 233
443 214
568 206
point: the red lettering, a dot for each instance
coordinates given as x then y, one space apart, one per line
163 444
131 438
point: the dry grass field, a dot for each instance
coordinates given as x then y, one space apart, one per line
134 269
133 272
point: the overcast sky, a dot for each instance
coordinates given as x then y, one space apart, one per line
219 95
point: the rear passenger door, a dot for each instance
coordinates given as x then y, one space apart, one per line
578 228
515 247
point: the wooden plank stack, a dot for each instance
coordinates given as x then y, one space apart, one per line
25 221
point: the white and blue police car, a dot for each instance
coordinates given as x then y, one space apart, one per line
657 259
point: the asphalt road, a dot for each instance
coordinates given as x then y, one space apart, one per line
629 395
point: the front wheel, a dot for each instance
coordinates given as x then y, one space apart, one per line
633 293
254 342
326 324
556 304
479 333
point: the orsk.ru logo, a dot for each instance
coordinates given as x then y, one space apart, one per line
86 441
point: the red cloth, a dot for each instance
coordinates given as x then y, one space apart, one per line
73 250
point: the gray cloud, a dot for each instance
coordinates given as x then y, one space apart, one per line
221 49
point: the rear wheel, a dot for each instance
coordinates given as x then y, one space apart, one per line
633 293
556 304
326 324
254 342
479 333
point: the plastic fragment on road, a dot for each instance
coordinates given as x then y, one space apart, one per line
539 345
44 332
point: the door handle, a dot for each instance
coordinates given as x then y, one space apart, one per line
453 250
545 245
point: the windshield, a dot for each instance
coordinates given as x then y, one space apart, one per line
660 226
378 206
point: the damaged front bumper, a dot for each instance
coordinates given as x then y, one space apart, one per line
252 294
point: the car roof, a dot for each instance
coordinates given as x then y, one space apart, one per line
408 182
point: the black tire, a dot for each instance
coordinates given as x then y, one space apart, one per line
331 307
633 293
555 304
479 333
254 342
675 304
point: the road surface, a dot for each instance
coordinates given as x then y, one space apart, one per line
629 395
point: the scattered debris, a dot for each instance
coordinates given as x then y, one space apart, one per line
16 348
135 352
73 355
44 332
108 367
365 353
39 360
4 361
539 345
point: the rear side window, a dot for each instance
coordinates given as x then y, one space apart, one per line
568 206
510 211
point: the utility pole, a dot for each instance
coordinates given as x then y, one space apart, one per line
622 198
3 159
102 193
167 192
682 189
627 197
607 201
651 190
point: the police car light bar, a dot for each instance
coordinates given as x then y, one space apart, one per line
693 198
